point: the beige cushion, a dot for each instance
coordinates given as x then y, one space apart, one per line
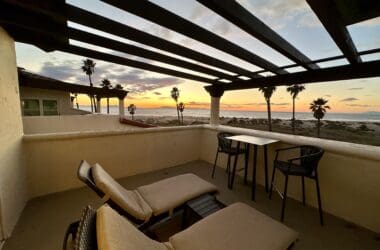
130 201
167 194
238 226
116 233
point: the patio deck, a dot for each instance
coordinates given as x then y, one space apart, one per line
45 219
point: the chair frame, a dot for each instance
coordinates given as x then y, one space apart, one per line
313 175
85 175
83 231
228 169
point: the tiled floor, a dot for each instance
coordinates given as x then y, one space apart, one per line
44 220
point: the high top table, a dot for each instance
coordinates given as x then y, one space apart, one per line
255 141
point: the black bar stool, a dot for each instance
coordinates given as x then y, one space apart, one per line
305 166
225 146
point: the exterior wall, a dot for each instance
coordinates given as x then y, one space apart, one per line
53 159
12 171
73 123
349 174
63 98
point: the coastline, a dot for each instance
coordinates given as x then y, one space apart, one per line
361 132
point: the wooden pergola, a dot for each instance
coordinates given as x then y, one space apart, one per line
44 24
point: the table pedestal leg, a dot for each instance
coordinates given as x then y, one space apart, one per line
254 172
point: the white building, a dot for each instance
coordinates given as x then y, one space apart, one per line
44 96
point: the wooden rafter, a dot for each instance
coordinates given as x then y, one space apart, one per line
238 15
95 21
86 37
132 63
165 18
346 72
330 17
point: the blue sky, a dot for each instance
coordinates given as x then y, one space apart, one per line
292 19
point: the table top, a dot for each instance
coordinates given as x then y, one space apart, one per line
252 139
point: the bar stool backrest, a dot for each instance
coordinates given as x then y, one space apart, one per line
224 145
312 155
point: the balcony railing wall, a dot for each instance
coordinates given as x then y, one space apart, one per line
349 174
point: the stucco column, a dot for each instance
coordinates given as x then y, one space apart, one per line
121 107
13 184
98 105
215 93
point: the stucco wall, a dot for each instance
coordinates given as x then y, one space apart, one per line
349 174
63 99
53 159
12 172
71 123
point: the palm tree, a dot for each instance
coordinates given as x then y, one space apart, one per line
318 107
268 92
119 87
89 68
132 110
175 95
294 90
106 84
181 107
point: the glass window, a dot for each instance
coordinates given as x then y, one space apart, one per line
50 107
31 107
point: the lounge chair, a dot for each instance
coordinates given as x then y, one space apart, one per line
237 226
147 204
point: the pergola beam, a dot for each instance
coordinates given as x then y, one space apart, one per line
101 23
165 18
132 63
330 17
346 72
86 37
238 15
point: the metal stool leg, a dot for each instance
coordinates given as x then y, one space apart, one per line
319 199
284 198
246 163
229 170
216 158
303 191
234 168
271 183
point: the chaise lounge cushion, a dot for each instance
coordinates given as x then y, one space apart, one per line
116 233
238 226
167 194
130 201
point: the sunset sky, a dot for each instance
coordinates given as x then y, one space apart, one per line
292 19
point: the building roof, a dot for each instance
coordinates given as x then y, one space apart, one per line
32 80
45 24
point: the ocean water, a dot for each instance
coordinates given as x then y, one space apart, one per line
368 116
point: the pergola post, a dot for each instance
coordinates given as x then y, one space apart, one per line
98 105
215 93
121 107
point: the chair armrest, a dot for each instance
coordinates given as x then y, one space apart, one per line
301 157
